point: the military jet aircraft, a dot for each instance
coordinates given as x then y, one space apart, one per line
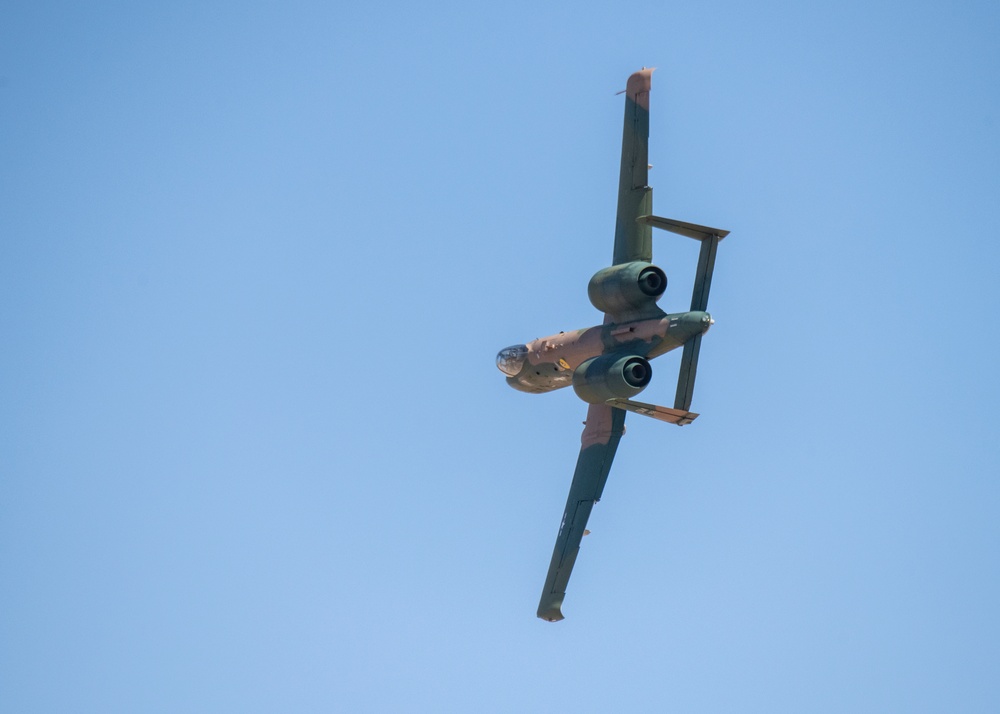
609 364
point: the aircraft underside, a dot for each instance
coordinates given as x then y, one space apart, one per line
608 365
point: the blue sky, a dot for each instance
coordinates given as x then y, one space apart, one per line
256 261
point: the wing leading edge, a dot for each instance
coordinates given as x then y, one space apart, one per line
633 240
604 428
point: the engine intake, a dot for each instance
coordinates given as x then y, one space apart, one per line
626 287
611 376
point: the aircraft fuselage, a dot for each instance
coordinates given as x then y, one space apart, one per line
548 363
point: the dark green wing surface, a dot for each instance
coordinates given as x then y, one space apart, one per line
633 240
604 428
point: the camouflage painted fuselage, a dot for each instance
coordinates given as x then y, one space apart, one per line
608 364
550 361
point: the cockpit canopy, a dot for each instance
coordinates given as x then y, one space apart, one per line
511 359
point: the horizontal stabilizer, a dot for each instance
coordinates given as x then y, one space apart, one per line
690 230
680 417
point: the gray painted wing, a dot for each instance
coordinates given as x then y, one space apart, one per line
604 429
633 240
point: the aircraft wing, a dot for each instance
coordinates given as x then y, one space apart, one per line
633 240
604 428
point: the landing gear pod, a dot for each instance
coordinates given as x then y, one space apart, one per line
611 376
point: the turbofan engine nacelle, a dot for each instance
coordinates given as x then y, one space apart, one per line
626 287
611 376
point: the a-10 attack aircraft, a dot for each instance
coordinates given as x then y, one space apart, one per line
609 364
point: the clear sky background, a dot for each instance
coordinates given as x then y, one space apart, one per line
256 261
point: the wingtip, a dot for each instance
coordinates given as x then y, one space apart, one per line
640 81
550 610
638 86
551 615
